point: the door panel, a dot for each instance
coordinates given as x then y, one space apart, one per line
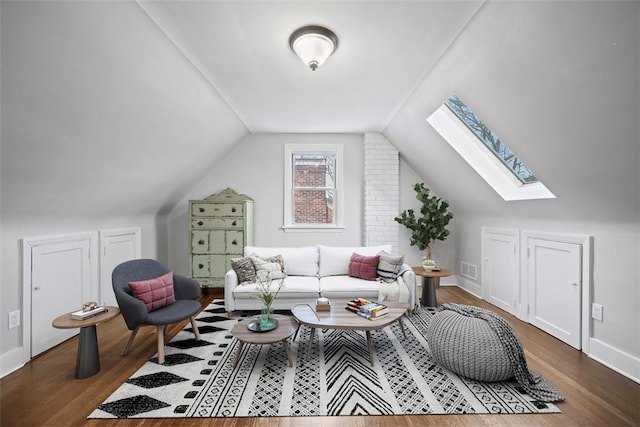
554 281
60 281
117 247
500 279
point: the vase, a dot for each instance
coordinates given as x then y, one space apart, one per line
266 317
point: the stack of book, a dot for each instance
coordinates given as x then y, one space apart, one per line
83 315
368 309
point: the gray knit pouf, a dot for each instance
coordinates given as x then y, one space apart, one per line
468 347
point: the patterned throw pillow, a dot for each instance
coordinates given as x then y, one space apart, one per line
268 265
245 270
155 293
363 267
389 266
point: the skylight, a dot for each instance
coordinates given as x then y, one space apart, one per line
485 152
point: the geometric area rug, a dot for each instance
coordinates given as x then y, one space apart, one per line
198 378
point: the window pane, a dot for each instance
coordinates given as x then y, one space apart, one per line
314 171
314 206
491 140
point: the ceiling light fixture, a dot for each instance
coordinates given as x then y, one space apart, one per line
313 44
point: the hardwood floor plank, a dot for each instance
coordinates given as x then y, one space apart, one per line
45 392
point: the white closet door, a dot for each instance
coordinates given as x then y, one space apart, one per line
60 283
555 288
116 246
500 273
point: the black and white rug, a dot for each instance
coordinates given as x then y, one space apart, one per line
198 378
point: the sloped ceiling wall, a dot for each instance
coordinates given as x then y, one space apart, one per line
101 115
559 83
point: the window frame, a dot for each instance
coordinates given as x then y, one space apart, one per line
312 149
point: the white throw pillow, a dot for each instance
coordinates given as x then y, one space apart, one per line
334 260
302 261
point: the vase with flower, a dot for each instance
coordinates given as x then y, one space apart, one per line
267 291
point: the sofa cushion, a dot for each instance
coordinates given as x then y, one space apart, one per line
334 260
302 261
389 266
364 267
155 293
245 270
295 287
340 289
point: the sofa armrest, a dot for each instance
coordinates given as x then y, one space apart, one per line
409 278
230 283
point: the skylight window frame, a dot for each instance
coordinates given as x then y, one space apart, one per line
483 160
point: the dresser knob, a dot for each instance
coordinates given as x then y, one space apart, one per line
201 209
234 223
233 209
235 242
200 223
201 242
200 265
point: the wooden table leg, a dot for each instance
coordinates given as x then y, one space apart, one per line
285 343
370 346
402 327
313 332
238 353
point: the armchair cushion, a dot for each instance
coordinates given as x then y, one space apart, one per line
155 293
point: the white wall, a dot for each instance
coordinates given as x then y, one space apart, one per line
615 277
255 167
16 228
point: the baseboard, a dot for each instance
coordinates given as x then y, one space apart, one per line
464 284
611 357
11 361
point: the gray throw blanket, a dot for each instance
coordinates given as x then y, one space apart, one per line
533 383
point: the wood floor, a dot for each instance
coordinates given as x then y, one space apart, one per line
45 392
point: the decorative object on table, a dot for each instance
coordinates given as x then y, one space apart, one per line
405 379
323 304
430 226
89 309
267 292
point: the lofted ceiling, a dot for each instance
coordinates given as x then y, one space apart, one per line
385 50
121 107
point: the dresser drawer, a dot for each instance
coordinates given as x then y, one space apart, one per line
217 209
229 223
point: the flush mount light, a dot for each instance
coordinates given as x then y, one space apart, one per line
313 44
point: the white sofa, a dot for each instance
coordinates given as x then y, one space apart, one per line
314 271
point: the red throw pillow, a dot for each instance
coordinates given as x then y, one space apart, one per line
363 267
155 293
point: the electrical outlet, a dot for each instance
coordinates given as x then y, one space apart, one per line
14 319
596 311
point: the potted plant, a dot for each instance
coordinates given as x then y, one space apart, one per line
430 226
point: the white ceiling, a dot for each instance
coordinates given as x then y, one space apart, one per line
242 48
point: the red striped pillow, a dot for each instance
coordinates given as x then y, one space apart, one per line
155 293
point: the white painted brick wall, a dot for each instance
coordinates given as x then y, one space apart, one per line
381 191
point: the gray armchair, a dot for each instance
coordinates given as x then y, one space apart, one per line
186 306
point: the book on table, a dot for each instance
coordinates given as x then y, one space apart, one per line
367 309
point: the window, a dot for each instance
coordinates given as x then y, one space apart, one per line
486 153
313 189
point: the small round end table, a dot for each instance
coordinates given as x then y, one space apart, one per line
429 278
287 326
88 359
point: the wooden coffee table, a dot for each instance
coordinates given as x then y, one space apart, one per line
287 326
340 318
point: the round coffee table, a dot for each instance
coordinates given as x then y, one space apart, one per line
287 326
88 359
